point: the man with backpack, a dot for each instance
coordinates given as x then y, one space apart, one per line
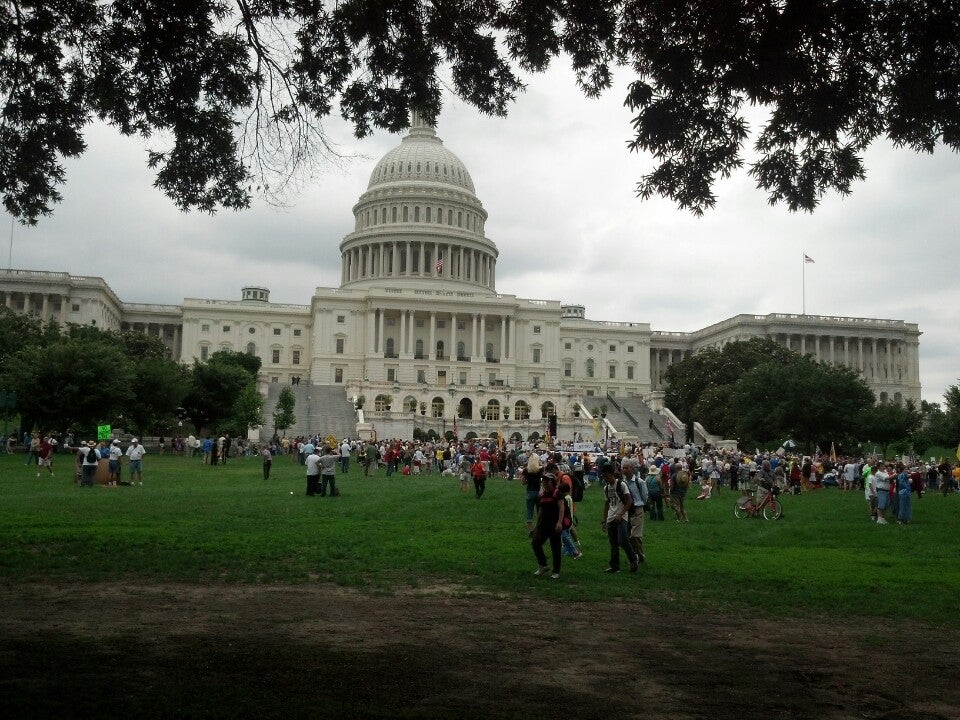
616 508
655 493
88 467
639 495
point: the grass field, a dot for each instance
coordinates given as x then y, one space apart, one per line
207 525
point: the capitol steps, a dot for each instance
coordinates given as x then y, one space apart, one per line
320 409
632 416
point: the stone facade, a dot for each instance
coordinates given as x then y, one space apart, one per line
417 318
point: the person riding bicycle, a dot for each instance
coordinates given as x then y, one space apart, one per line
765 482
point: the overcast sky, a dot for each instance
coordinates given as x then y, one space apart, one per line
559 186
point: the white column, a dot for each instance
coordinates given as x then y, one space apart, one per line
381 345
483 336
371 330
860 366
44 306
890 363
817 339
513 338
873 358
432 350
452 350
473 336
409 259
395 263
503 338
9 299
803 344
423 259
833 357
403 334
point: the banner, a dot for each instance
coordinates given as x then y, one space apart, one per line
104 432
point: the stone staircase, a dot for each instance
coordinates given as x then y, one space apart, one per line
321 409
632 416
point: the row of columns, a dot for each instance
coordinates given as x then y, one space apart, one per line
860 353
381 260
660 360
407 339
58 301
159 331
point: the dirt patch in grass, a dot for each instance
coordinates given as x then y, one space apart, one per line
163 650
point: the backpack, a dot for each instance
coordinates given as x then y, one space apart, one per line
567 515
653 485
683 479
637 494
95 458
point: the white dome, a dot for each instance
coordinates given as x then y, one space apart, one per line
421 156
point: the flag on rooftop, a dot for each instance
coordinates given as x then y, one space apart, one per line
807 258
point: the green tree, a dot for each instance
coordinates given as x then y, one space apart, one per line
886 423
74 382
693 391
249 363
159 387
246 412
811 402
212 393
283 416
231 95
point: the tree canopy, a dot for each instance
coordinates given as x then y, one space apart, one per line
231 94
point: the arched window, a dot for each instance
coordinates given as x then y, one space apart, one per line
493 410
416 214
440 215
251 349
406 217
436 407
419 348
449 217
461 350
428 213
546 409
521 411
459 219
389 347
394 213
380 403
376 216
488 351
440 350
590 368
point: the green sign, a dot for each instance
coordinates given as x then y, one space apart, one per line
103 432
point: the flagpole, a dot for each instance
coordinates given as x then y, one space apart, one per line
803 283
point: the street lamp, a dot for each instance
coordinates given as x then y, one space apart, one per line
606 429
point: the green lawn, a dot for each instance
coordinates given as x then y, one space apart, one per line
194 523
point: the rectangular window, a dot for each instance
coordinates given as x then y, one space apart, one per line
339 346
613 348
461 325
204 352
276 331
341 319
536 355
568 369
391 374
421 376
536 381
203 328
629 372
274 378
338 375
419 322
613 371
463 378
76 308
589 393
536 329
226 328
629 348
296 332
276 357
296 357
567 346
441 324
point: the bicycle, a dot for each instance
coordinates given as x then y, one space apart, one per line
769 506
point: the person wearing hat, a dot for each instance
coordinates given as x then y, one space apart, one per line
135 452
616 508
90 461
114 461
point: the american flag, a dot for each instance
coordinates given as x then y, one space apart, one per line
807 258
439 263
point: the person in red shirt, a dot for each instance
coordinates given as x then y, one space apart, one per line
479 475
45 455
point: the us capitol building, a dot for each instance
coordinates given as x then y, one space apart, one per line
419 330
